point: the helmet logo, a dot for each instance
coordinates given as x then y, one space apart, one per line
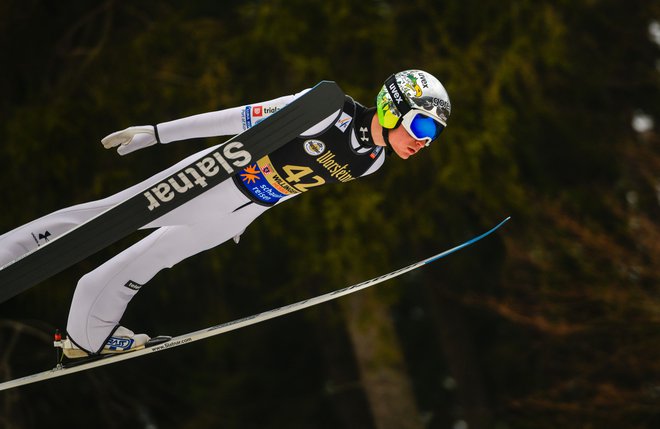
413 86
396 94
422 79
394 91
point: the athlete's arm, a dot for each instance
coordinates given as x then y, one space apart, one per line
219 123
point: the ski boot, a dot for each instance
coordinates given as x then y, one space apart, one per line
123 340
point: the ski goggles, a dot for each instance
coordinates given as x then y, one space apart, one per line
421 126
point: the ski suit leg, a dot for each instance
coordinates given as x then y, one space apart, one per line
102 295
28 237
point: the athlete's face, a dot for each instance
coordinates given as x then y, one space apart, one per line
403 143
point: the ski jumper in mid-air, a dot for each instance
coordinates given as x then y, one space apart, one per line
411 110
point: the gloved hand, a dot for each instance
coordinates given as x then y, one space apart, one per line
131 139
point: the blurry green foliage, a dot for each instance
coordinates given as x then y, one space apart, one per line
554 323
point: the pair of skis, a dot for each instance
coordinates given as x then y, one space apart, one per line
165 194
77 366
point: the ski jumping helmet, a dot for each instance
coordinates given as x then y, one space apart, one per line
416 100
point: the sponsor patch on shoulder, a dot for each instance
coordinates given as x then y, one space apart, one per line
344 121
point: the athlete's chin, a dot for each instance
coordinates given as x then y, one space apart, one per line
403 154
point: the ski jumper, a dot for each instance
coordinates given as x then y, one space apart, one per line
337 149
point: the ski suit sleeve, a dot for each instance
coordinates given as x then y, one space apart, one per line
222 122
219 123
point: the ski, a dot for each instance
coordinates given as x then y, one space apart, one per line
168 192
77 366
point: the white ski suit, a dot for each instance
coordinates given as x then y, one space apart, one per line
337 149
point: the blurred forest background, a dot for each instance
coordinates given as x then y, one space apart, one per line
552 323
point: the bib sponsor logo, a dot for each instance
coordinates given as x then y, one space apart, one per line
250 174
227 157
336 170
263 181
314 147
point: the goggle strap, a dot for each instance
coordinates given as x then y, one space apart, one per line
396 95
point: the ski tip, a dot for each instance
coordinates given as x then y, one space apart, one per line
496 227
467 243
493 229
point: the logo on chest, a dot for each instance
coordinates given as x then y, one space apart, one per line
314 147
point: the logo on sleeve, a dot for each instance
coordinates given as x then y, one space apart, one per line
246 118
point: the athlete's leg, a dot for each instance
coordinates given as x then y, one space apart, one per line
26 238
102 295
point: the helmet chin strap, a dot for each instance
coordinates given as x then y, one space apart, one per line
386 138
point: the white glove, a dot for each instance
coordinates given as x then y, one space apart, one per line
131 139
